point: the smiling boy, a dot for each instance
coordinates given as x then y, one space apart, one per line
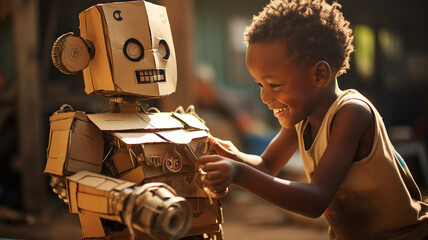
296 50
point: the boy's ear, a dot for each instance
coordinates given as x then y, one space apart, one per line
322 73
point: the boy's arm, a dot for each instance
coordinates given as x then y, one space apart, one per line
309 199
271 161
280 150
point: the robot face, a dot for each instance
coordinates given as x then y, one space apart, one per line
133 50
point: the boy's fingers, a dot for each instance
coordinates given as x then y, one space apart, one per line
220 147
216 186
206 159
214 183
213 174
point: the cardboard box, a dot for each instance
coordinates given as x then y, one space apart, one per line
128 60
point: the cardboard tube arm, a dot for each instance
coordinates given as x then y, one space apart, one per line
153 208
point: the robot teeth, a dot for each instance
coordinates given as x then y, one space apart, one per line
150 76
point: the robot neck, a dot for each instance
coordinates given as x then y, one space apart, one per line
124 104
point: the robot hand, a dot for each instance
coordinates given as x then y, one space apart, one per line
58 186
156 209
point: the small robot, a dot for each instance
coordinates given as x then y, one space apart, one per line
129 172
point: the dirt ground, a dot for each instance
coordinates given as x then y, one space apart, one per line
245 217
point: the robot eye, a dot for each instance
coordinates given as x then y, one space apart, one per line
164 49
133 50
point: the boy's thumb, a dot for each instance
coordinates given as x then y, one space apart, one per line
212 142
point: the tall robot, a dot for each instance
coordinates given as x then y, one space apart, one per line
129 172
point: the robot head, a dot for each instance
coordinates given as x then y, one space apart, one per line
125 48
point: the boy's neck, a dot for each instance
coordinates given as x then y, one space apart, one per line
327 98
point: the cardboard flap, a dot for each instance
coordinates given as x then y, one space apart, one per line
134 121
182 136
191 121
179 136
163 120
139 137
118 121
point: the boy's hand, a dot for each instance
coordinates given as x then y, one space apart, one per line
225 149
219 172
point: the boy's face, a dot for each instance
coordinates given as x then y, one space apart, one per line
285 87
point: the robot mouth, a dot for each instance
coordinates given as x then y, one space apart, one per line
150 76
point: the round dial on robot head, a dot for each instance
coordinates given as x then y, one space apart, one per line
70 53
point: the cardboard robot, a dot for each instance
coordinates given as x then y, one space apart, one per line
129 172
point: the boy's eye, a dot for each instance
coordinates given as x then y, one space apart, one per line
274 85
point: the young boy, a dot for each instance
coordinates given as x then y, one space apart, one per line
296 51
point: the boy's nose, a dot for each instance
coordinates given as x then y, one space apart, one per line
266 97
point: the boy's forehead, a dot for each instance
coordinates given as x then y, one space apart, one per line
272 53
267 52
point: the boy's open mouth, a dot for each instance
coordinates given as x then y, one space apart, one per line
276 111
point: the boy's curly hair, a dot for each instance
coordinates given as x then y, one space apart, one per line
312 30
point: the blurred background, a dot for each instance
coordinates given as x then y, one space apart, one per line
390 67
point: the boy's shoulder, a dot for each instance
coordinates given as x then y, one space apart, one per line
354 104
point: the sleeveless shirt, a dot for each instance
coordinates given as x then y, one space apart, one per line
378 199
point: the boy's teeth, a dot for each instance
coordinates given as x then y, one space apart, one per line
278 110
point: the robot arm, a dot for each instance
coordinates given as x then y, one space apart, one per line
153 208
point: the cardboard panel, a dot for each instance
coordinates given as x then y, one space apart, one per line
160 29
88 189
199 146
96 180
191 121
94 203
73 166
72 196
182 136
210 214
124 185
57 150
117 121
91 226
98 73
60 125
136 175
139 137
129 21
134 121
86 148
163 120
122 160
91 180
74 144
